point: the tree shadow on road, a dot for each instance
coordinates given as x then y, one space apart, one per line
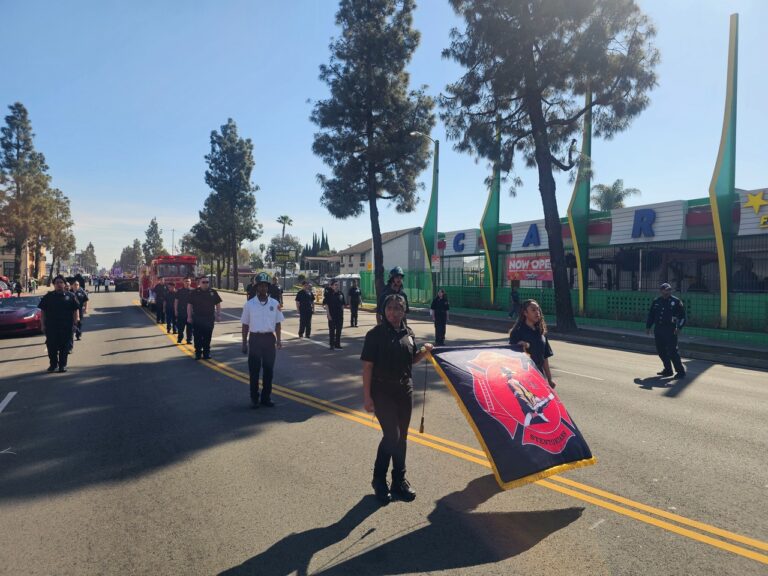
454 538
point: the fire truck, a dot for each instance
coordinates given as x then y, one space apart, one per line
173 268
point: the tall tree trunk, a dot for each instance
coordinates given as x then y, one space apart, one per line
234 258
18 248
38 257
547 188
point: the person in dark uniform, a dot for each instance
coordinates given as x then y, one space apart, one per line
667 316
250 290
394 286
82 300
305 305
60 312
388 355
170 314
530 335
355 299
334 308
438 310
160 291
275 292
204 308
180 301
261 320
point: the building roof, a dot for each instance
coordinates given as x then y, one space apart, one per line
365 245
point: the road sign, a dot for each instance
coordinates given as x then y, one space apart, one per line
435 263
283 256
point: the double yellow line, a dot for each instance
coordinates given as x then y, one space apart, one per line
698 531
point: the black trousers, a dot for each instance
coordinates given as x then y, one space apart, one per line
305 323
181 323
440 324
160 311
58 342
393 405
203 333
79 326
170 318
666 347
261 358
353 314
335 324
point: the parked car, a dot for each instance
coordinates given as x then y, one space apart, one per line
20 316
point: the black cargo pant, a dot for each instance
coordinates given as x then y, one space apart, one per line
335 324
393 404
305 323
160 311
58 342
203 333
261 358
440 323
666 347
181 323
353 314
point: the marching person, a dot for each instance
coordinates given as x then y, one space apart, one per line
204 308
394 286
530 334
355 299
275 292
60 312
438 310
334 309
82 300
388 355
160 291
667 316
305 305
250 290
170 314
180 301
261 320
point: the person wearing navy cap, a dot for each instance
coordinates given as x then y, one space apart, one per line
667 316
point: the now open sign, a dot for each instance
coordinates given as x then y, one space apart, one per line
529 268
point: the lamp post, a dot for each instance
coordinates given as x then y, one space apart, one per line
429 230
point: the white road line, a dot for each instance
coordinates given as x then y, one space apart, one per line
596 524
8 398
577 374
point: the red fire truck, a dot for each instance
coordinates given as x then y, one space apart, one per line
173 268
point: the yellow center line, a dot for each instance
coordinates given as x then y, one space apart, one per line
470 454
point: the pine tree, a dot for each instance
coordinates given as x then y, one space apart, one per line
153 245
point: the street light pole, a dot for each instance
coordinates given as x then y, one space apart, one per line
429 230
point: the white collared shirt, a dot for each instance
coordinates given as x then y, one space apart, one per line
261 316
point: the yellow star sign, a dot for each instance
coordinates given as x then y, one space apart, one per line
756 201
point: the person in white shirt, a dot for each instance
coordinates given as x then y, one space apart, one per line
261 321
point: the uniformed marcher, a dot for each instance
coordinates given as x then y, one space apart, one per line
180 301
334 309
275 291
60 312
82 300
529 334
388 355
261 320
204 308
305 305
438 310
355 299
394 286
250 290
160 292
170 310
667 316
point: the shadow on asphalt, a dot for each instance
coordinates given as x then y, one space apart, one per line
455 537
674 386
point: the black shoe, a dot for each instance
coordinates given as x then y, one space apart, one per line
338 347
381 490
206 356
78 338
402 490
180 341
331 347
51 368
268 403
189 341
664 373
198 355
62 368
680 375
173 331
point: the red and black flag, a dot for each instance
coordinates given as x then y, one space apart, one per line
518 418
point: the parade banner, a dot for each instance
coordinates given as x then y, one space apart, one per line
529 268
518 419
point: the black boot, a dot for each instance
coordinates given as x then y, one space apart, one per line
402 490
665 372
381 490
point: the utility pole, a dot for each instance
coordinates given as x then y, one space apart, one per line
173 241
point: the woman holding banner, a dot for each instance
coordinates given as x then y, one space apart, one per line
530 334
389 353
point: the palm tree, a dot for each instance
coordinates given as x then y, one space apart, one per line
285 221
609 197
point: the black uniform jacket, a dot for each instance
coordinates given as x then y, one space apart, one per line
160 292
538 344
354 296
666 313
58 308
204 305
392 352
441 307
387 291
182 297
335 302
306 300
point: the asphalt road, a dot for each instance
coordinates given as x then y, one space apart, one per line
140 460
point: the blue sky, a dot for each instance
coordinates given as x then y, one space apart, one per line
123 97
